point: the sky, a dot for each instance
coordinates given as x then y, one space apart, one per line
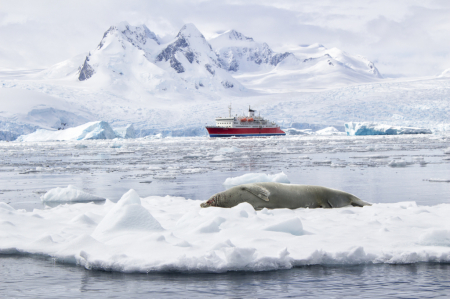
404 38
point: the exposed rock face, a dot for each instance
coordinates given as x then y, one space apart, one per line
124 35
86 71
191 44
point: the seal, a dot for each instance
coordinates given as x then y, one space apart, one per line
283 196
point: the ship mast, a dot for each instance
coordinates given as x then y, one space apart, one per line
229 110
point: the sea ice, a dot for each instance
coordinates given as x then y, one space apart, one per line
257 178
71 193
160 234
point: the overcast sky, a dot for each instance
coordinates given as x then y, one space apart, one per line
402 37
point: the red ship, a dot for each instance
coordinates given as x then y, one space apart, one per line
244 126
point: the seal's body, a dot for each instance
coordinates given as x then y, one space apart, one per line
279 196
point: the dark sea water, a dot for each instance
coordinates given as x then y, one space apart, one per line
38 277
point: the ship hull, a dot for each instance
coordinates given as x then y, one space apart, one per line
244 132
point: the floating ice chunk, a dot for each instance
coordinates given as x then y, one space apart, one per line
436 237
257 178
292 226
219 158
397 163
232 149
447 151
293 131
439 180
366 128
71 193
127 215
329 131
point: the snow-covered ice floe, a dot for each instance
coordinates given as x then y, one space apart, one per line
69 194
366 128
159 234
257 178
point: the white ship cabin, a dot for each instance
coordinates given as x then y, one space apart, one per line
249 121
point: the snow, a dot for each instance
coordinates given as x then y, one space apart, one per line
381 129
159 234
69 194
91 130
257 178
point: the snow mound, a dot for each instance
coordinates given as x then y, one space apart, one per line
257 178
128 238
91 130
292 226
366 128
69 194
127 215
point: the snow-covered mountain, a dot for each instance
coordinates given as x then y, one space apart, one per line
132 77
238 52
193 58
131 58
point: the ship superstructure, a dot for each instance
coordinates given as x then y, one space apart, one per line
243 126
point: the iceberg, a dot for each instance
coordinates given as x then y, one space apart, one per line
366 128
91 130
125 132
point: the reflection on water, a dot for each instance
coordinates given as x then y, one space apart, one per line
39 277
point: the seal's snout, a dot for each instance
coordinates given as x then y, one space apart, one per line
210 203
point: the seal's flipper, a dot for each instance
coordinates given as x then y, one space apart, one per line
258 191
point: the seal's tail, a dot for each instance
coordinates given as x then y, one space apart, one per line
356 202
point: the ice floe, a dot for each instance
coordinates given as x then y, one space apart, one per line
257 178
160 234
69 194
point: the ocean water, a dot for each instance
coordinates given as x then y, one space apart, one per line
196 168
38 277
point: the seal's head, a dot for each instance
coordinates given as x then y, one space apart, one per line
212 202
228 198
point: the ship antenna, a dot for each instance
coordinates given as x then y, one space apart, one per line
229 110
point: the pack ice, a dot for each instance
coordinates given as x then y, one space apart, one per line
366 128
160 234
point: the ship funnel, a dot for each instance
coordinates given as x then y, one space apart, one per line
251 112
